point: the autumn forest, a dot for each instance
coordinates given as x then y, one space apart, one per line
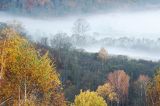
58 70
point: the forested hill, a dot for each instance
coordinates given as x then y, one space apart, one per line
61 7
39 74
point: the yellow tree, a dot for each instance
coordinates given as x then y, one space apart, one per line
102 55
89 98
107 92
26 76
153 90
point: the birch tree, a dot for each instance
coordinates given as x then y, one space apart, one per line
120 81
28 78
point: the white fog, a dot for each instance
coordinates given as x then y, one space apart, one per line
144 24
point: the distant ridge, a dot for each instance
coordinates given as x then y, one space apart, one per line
66 7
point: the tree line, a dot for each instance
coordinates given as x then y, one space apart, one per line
63 7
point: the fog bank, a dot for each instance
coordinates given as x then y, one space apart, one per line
144 24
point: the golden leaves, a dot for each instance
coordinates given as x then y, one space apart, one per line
153 90
107 91
25 72
89 98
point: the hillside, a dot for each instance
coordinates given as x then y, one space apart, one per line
63 7
79 53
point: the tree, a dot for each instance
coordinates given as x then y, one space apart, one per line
27 76
153 90
89 98
120 81
102 55
44 41
61 41
140 86
80 27
107 92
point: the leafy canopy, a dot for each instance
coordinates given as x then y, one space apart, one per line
89 98
24 74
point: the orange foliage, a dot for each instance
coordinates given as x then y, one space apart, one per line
120 81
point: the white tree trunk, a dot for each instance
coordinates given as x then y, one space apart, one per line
19 97
25 90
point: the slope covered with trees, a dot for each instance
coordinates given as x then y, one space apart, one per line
26 78
55 73
118 79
